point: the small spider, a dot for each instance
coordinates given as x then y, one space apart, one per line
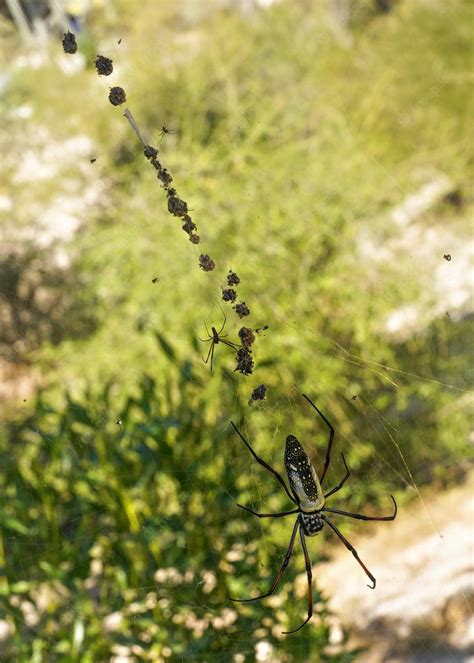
215 338
165 130
309 498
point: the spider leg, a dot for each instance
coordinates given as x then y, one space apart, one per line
309 574
280 572
213 345
360 516
343 480
260 461
230 344
223 325
268 515
208 355
330 441
350 547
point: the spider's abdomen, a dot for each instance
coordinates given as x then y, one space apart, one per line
312 523
303 479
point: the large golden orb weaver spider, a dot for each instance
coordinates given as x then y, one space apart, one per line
309 497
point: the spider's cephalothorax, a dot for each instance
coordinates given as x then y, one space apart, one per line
312 523
309 499
302 476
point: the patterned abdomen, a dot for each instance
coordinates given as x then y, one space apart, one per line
302 476
312 523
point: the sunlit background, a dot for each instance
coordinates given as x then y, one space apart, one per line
324 150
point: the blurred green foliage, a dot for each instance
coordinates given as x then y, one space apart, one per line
297 136
127 528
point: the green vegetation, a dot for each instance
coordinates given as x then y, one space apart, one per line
297 137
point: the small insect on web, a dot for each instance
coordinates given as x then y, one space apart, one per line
165 130
215 338
308 496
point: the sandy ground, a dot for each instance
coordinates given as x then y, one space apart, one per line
421 609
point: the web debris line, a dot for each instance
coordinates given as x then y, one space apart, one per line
134 125
178 207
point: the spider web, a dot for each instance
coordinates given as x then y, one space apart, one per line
261 545
273 539
403 475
